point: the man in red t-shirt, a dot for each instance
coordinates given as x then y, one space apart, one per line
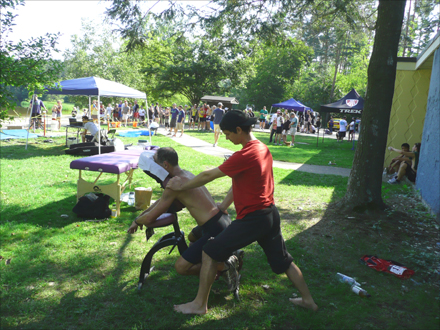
257 216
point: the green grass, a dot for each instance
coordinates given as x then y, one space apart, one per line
304 152
69 274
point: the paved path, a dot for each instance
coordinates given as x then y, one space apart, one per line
208 149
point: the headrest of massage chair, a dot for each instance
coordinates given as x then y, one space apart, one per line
158 173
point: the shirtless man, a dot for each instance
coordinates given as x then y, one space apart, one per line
202 208
395 162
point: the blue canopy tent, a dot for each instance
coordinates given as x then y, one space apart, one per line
291 104
95 86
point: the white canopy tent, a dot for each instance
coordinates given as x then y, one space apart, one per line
95 86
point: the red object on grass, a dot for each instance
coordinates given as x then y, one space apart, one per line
387 266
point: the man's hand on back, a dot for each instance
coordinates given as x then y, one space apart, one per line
175 183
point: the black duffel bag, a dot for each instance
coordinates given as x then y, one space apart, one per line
93 206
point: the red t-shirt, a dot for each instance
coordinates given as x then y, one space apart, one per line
252 177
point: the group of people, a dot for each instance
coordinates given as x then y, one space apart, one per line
343 127
283 124
217 251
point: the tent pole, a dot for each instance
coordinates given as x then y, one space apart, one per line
99 127
148 116
89 112
30 120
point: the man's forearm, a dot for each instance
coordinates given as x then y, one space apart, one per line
227 201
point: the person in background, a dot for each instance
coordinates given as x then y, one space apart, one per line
330 125
116 113
280 121
135 111
274 124
36 106
395 162
351 129
180 121
292 127
263 114
407 168
166 117
173 124
94 110
286 127
201 123
150 115
342 129
59 112
218 115
208 119
90 126
142 113
109 110
194 117
120 110
126 111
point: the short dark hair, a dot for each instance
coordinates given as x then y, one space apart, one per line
168 154
85 118
405 145
237 118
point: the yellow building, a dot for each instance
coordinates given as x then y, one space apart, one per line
409 103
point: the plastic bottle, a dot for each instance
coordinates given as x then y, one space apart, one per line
346 279
360 292
114 212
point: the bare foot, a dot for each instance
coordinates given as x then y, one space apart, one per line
300 302
190 308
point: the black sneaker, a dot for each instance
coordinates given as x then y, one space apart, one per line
231 274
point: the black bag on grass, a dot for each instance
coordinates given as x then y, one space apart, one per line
93 206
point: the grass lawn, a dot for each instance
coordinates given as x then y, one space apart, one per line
63 273
304 152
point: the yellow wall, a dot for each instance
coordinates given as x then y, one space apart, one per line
408 110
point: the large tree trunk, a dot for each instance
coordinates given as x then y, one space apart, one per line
364 183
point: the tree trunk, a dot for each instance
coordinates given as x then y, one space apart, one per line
365 181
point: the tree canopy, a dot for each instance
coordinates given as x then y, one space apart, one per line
26 64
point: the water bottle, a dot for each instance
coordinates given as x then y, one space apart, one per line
346 279
360 292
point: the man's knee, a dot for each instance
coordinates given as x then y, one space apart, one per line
182 266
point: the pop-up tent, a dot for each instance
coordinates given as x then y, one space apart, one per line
291 104
95 86
352 103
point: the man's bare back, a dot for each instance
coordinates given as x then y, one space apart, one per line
198 201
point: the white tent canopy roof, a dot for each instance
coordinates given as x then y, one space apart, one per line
96 86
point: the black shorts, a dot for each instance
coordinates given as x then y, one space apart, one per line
173 122
262 120
341 134
202 119
279 130
211 228
262 226
193 119
410 173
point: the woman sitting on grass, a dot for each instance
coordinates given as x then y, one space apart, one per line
406 168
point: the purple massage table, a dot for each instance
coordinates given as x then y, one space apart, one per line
117 162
